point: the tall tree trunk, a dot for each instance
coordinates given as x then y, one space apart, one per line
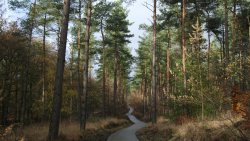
43 64
183 44
79 76
20 118
86 66
247 84
120 86
145 90
208 53
57 98
5 85
208 58
16 99
27 81
154 75
71 82
115 80
30 102
226 82
8 98
234 44
200 78
103 71
226 31
108 93
168 69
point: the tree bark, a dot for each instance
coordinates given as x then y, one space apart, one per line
103 70
86 66
27 82
145 90
79 76
183 44
226 48
43 64
57 98
226 32
154 75
115 79
168 68
208 58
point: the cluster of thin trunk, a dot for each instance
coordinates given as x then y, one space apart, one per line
230 51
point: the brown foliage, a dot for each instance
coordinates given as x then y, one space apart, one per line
183 118
12 132
240 102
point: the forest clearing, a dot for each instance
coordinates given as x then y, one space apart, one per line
124 70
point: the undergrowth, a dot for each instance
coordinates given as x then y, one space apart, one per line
97 129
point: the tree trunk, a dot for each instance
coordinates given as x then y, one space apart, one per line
226 83
208 58
115 79
57 98
86 66
79 76
247 84
168 69
27 82
16 99
71 82
108 93
234 43
5 85
145 90
43 64
183 42
103 71
154 75
226 31
200 81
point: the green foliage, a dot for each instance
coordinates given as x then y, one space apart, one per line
117 27
14 4
207 71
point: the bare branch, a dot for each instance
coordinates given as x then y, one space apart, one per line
147 6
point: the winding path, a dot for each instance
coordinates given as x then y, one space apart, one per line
128 134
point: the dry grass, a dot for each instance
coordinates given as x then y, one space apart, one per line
104 123
69 131
210 130
184 130
36 131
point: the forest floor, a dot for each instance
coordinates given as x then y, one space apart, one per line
223 129
97 129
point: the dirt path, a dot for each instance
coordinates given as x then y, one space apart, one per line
128 134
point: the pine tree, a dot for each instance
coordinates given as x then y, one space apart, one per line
57 100
118 34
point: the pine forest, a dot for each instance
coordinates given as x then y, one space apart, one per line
124 70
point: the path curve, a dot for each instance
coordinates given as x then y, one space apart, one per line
128 134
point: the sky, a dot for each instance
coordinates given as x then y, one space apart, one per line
138 14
